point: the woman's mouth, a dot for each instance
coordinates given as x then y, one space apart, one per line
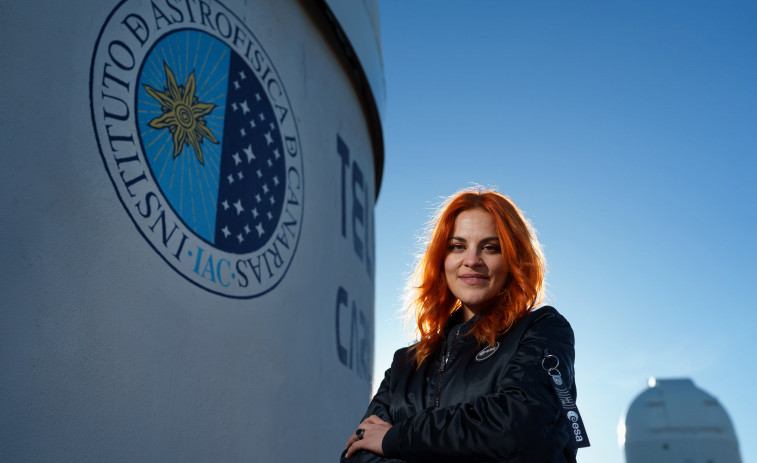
473 278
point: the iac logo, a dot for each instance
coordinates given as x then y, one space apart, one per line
200 141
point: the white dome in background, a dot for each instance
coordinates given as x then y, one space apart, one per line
674 421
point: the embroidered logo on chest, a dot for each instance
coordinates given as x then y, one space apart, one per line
487 352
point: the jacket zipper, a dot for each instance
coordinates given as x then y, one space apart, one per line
443 366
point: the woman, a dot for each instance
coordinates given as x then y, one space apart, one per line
481 384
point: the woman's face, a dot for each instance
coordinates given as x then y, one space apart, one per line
473 266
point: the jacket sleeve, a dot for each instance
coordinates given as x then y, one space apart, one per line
379 406
520 420
364 456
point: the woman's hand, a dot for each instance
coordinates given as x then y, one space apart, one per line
374 429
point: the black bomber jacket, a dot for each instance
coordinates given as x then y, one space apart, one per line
476 403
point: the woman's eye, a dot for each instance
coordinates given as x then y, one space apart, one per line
491 248
456 247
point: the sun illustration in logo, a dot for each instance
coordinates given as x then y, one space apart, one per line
182 114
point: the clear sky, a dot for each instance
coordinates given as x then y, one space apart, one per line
627 131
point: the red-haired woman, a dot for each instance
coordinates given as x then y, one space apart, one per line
491 377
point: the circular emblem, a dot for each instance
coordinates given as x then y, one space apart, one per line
487 352
200 141
573 416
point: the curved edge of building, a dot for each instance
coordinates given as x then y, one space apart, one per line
353 27
675 421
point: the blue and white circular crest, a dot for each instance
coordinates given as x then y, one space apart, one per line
200 141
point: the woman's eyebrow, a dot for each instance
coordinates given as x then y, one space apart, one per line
485 240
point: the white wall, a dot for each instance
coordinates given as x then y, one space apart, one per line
112 348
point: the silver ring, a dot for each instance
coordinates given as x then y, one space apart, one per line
549 357
359 433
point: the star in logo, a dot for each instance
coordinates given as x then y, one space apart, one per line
183 114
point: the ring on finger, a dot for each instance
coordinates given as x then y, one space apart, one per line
359 433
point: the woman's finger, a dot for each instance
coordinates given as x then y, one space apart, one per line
353 438
357 445
374 429
361 428
374 419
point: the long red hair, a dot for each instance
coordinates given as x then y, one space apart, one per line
431 301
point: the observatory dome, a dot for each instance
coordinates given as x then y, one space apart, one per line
673 421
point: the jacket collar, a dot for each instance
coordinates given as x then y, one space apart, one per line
457 319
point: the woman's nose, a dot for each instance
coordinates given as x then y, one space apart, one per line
472 258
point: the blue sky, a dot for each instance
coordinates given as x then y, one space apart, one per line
627 131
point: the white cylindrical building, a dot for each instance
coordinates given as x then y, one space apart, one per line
187 228
673 421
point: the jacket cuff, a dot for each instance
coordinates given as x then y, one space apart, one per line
391 443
